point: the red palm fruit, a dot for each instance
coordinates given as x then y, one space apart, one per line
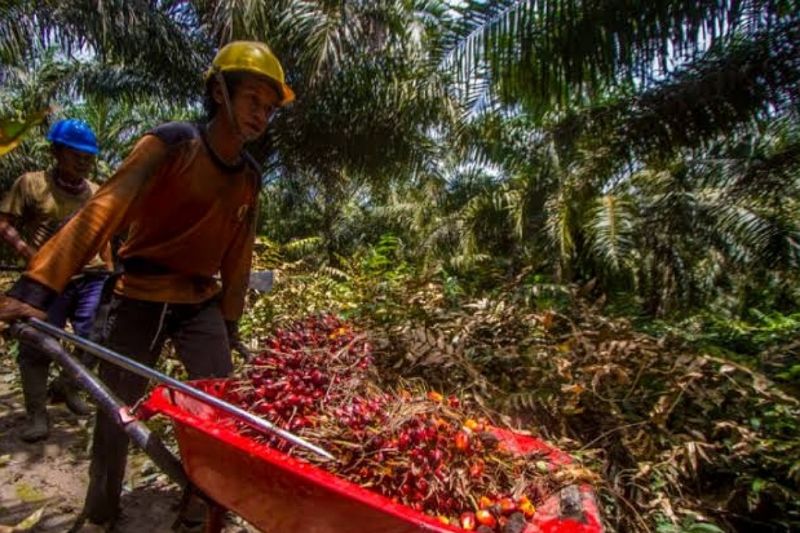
403 441
485 502
476 468
436 456
471 424
449 504
293 400
506 505
440 423
468 521
435 396
296 424
485 518
462 441
525 505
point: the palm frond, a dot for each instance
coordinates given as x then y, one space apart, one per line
610 227
560 225
113 33
547 53
303 246
17 32
726 89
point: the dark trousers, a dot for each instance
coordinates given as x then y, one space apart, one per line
77 303
137 329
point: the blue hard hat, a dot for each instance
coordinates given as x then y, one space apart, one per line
75 134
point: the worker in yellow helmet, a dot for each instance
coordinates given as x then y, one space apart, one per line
186 196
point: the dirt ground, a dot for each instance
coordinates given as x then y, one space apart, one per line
51 476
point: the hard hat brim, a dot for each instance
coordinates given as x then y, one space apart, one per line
284 91
85 148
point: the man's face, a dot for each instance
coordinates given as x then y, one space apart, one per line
72 164
253 103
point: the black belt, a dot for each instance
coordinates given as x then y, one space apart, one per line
141 266
144 267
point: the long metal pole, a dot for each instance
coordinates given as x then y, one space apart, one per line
147 372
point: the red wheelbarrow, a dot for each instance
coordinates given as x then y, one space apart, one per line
272 490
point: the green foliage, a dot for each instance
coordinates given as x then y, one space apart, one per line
370 285
767 342
463 177
685 440
752 335
563 53
650 157
687 526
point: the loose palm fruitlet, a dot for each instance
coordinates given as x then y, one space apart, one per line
316 378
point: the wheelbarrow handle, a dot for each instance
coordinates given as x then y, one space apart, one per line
147 372
106 400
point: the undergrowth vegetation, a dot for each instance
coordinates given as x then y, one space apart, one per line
690 427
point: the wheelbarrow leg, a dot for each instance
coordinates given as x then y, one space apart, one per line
215 519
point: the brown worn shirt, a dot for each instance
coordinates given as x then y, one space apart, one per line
184 211
38 207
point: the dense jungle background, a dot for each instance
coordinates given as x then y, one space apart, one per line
582 213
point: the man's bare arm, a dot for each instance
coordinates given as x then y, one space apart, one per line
10 235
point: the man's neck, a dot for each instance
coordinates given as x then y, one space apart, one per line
223 140
68 183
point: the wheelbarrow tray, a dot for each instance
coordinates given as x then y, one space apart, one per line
278 493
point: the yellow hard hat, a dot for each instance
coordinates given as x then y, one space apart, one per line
253 57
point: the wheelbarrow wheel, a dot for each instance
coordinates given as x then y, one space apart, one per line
214 522
198 514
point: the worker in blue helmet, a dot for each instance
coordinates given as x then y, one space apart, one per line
75 134
35 207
